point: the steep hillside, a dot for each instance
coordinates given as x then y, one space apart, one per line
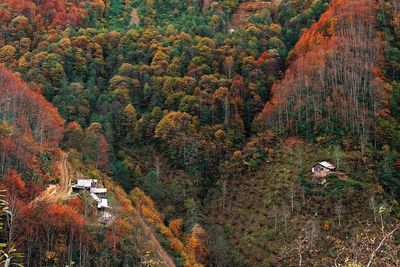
62 227
279 214
276 143
270 209
333 82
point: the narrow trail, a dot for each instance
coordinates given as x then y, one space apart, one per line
153 163
164 256
60 191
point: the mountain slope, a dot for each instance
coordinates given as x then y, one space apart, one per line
279 214
333 80
30 132
276 212
164 105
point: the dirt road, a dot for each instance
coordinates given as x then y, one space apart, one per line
60 191
158 249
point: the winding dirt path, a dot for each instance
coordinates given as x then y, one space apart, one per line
60 191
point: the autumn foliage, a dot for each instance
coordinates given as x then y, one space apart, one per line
333 80
167 100
193 251
30 124
45 13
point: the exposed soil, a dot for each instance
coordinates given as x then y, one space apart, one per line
134 17
62 190
245 10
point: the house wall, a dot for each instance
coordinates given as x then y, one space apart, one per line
320 168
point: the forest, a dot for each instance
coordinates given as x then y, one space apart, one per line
203 121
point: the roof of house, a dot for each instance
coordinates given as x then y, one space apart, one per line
98 190
103 203
327 165
84 183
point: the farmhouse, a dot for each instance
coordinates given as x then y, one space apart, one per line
322 169
84 184
98 194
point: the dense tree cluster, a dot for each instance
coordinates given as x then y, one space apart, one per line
55 233
26 16
30 126
333 88
388 20
129 79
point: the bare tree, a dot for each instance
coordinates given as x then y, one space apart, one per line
292 196
224 190
306 239
303 195
285 214
157 168
274 213
338 211
371 258
338 156
382 211
228 64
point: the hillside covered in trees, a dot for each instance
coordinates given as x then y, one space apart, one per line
205 122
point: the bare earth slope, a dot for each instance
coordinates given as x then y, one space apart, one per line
62 190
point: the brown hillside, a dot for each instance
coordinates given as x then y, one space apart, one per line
245 10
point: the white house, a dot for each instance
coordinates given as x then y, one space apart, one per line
323 168
85 184
96 190
96 193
